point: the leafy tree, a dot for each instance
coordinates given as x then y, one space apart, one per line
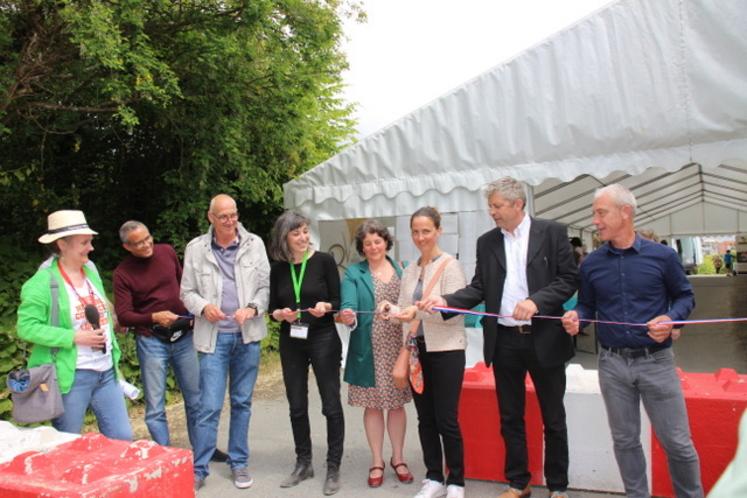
146 108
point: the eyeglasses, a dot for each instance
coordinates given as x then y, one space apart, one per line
141 243
227 217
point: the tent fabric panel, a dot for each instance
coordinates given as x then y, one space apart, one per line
636 85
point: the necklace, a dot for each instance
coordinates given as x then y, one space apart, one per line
378 272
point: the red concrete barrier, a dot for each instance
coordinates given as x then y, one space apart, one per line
484 452
96 466
715 403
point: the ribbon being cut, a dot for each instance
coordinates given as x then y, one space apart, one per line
446 309
461 311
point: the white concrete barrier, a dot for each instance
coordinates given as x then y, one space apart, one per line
15 440
592 457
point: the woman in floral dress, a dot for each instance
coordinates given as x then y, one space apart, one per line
374 346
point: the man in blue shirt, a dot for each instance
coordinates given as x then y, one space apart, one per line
636 281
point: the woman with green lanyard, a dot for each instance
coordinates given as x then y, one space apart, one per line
304 290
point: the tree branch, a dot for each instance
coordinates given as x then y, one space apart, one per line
75 108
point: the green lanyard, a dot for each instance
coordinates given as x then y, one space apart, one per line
297 281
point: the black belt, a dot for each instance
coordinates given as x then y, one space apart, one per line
519 329
635 352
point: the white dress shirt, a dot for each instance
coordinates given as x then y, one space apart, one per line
515 287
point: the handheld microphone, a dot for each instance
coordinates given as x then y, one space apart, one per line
93 317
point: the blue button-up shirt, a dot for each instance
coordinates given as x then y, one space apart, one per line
633 285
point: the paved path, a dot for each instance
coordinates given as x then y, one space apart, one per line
272 458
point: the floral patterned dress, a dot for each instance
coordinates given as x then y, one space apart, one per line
386 339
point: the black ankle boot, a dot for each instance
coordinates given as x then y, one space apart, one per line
303 471
332 482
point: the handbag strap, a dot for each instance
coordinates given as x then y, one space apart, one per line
428 288
54 313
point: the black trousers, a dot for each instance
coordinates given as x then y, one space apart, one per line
323 351
437 408
513 358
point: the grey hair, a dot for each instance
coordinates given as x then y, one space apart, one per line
214 200
508 188
285 224
620 195
127 227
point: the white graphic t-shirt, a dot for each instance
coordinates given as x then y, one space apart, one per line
89 358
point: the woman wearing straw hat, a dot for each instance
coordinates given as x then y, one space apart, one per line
85 356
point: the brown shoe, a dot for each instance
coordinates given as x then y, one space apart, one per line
516 493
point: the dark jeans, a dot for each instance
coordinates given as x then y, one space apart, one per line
437 407
323 351
513 358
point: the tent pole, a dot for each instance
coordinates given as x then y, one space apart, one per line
530 200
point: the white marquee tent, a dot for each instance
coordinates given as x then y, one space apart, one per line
650 93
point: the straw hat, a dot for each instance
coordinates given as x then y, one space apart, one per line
63 223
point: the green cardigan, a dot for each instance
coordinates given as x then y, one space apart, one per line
358 295
34 324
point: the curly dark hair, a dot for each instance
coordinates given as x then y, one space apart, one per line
372 226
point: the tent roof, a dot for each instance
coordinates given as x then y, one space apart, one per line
690 201
639 84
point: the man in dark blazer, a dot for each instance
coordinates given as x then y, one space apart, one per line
525 266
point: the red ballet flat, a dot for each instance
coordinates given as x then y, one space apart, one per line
404 477
376 481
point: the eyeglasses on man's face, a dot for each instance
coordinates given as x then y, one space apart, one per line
140 244
226 217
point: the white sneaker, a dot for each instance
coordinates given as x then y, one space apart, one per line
454 491
431 489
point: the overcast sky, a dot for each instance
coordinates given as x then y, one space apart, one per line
411 51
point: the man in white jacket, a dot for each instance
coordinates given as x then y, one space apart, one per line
225 284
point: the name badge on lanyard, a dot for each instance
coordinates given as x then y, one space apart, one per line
299 330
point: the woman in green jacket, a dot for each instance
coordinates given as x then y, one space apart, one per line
85 356
373 349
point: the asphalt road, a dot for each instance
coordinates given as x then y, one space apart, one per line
272 458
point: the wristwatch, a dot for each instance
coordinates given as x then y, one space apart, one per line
252 306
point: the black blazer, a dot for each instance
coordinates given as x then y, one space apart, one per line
552 277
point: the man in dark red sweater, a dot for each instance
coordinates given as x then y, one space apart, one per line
146 292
